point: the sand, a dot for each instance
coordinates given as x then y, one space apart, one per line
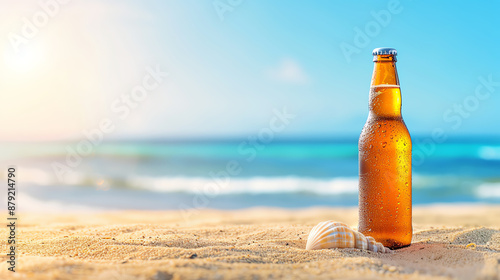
247 244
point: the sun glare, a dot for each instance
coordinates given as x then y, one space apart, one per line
23 60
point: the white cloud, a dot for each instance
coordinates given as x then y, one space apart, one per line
288 71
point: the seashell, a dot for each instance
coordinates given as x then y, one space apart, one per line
331 234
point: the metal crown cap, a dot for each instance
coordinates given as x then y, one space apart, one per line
385 51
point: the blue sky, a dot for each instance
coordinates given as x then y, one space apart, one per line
229 70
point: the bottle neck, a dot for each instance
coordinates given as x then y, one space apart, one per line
385 94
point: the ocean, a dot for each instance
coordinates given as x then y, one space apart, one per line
157 175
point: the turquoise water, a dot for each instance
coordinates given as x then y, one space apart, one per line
236 174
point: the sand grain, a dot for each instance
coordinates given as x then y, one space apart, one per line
248 244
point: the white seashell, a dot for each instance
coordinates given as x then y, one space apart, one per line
332 234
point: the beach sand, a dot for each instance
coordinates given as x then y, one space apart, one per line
247 244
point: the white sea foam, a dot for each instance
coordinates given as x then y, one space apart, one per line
34 175
252 185
488 190
46 177
27 203
490 152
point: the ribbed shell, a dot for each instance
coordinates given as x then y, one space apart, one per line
331 234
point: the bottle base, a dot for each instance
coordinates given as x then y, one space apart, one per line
394 244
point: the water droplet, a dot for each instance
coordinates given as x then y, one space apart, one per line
384 144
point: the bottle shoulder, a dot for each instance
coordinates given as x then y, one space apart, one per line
389 129
382 120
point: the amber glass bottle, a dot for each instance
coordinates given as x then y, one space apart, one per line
385 159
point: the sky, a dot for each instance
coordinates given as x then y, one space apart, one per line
225 69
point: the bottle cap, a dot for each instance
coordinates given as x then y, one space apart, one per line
385 51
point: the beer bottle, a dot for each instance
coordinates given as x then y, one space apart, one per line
385 159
